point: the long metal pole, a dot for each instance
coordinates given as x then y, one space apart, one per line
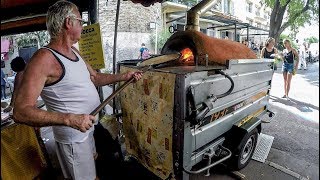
235 32
115 51
248 34
93 11
156 44
93 14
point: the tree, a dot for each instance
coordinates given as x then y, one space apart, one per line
291 13
163 36
312 39
282 37
36 38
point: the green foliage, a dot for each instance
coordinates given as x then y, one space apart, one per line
186 2
163 36
312 39
298 13
280 45
31 39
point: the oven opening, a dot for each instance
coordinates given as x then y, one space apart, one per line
185 47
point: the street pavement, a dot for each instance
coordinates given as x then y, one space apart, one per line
295 150
296 125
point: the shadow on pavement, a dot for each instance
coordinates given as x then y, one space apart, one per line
301 106
311 74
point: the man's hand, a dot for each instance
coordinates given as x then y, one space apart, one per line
136 75
81 122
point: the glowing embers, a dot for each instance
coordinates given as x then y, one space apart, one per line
186 56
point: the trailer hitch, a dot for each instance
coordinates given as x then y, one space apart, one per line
208 156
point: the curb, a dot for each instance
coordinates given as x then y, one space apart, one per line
285 170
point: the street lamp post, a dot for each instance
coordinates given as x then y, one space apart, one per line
153 25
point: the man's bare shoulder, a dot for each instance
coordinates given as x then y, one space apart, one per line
42 56
44 64
44 59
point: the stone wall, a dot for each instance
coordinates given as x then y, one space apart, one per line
133 28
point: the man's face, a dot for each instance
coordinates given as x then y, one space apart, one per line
77 27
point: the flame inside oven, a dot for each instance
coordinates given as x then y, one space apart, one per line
186 55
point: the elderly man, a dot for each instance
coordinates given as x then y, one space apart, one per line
67 84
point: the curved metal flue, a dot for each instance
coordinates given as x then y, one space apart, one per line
193 15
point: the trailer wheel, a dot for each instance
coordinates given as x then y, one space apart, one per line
243 153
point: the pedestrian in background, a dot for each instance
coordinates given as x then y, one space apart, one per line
289 66
303 56
269 51
144 52
17 65
3 86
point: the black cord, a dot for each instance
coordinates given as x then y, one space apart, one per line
231 88
213 98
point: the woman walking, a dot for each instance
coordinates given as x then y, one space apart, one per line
289 66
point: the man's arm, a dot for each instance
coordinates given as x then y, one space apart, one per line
102 79
43 68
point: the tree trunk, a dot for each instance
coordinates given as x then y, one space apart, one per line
276 26
276 20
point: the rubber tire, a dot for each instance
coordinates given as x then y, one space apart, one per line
235 161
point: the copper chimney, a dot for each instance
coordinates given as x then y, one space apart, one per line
193 15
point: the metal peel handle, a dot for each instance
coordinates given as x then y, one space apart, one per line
105 102
144 66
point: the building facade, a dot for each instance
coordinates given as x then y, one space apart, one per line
237 20
133 28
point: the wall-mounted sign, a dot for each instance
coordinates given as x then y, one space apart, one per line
90 46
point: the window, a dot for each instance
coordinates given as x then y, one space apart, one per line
203 30
180 27
258 12
228 7
259 25
249 7
218 6
211 33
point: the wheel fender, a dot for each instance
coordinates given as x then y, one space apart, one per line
237 133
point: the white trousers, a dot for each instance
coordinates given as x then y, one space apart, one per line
77 159
303 62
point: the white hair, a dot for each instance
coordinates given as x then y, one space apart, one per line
56 15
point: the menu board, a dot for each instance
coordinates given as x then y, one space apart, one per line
90 46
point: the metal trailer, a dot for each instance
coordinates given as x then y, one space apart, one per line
212 123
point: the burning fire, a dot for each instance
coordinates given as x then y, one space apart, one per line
186 55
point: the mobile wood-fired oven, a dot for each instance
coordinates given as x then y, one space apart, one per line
205 106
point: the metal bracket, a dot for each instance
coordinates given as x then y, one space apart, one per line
271 116
210 165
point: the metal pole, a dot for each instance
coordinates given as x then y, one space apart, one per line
115 52
235 31
93 11
93 18
156 44
248 34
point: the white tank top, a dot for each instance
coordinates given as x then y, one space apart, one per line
74 92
